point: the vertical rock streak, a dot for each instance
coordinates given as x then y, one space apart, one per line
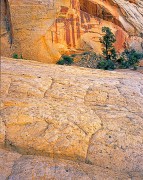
8 21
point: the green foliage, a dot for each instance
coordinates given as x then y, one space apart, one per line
107 41
109 52
73 55
113 54
129 58
106 65
60 62
15 56
67 60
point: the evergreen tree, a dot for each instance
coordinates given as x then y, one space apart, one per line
107 40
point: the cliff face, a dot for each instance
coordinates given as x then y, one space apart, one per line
88 116
43 30
6 29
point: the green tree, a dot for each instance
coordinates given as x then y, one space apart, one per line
107 41
67 60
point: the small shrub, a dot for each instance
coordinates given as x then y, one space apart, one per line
124 65
60 62
106 65
15 56
73 55
67 60
21 57
129 58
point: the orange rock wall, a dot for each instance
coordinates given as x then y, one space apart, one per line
6 31
43 30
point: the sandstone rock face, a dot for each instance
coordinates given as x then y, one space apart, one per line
36 167
78 114
133 11
43 30
141 63
6 31
7 160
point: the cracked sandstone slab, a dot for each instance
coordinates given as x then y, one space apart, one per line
73 113
16 166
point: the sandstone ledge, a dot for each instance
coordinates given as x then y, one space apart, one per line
84 115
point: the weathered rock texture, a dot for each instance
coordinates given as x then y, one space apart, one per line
72 113
16 166
44 29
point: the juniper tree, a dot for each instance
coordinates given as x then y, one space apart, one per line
107 41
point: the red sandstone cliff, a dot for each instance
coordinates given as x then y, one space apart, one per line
44 29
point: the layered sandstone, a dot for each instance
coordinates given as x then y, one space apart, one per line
83 115
43 30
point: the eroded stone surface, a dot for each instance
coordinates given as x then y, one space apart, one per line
7 161
36 167
73 113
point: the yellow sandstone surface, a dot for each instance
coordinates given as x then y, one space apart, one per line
92 118
16 166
